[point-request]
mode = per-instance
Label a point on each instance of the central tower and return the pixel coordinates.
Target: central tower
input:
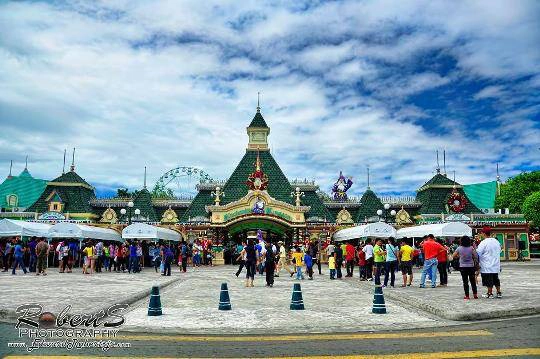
(258, 132)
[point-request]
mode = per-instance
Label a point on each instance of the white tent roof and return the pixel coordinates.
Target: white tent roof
(74, 230)
(451, 229)
(146, 231)
(13, 227)
(377, 229)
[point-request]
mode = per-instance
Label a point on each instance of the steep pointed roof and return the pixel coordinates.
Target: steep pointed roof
(143, 201)
(258, 120)
(434, 196)
(71, 177)
(24, 186)
(370, 204)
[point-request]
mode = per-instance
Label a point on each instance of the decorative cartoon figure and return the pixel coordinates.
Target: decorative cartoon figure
(258, 180)
(258, 206)
(340, 188)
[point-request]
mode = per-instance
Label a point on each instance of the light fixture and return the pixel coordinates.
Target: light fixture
(387, 206)
(123, 211)
(130, 204)
(379, 212)
(393, 212)
(137, 211)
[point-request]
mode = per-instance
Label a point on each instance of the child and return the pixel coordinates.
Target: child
(332, 267)
(298, 257)
(362, 263)
(309, 265)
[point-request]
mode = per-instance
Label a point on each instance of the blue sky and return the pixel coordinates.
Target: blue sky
(344, 84)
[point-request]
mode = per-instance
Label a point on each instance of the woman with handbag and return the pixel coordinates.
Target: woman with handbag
(468, 261)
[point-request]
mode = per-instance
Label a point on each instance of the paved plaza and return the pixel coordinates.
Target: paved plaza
(190, 301)
(85, 293)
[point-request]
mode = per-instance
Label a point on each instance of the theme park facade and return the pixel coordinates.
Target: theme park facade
(258, 195)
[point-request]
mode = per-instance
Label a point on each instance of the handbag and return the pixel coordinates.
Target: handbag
(475, 259)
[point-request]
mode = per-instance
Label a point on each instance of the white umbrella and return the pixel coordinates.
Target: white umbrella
(451, 229)
(375, 230)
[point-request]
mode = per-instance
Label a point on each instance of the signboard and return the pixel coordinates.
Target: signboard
(52, 216)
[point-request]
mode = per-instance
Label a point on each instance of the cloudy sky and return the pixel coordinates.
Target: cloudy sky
(344, 84)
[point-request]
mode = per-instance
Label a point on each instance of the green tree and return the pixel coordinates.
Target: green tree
(123, 193)
(531, 209)
(517, 189)
(162, 192)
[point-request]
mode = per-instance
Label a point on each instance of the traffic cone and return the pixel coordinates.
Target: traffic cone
(154, 307)
(224, 300)
(297, 302)
(378, 301)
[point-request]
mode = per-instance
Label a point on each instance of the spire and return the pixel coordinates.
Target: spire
(498, 175)
(258, 163)
(144, 186)
(258, 102)
(444, 162)
(64, 166)
(438, 166)
(10, 168)
(368, 177)
(26, 163)
(454, 178)
(73, 161)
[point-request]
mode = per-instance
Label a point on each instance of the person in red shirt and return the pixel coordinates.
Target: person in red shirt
(362, 262)
(442, 257)
(431, 252)
(349, 259)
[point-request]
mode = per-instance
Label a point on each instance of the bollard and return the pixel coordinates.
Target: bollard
(378, 301)
(154, 307)
(224, 300)
(297, 302)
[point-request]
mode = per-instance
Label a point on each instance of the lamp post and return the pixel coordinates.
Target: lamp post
(130, 205)
(384, 213)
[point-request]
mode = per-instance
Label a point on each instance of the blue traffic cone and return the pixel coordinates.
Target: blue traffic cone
(378, 301)
(297, 302)
(224, 300)
(154, 307)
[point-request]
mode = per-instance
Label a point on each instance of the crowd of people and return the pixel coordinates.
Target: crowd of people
(377, 261)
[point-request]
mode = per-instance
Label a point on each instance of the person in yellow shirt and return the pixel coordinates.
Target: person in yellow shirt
(298, 258)
(332, 267)
(405, 255)
(90, 259)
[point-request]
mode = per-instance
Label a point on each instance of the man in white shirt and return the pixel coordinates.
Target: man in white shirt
(489, 251)
(368, 250)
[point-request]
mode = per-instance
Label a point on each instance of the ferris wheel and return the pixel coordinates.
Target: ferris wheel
(182, 180)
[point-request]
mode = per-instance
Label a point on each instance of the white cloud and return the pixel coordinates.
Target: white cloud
(165, 83)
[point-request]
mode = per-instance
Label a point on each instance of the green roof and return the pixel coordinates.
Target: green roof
(258, 121)
(482, 194)
(76, 198)
(370, 203)
(434, 196)
(24, 186)
(143, 202)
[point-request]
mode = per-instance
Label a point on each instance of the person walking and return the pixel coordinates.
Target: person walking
(368, 250)
(33, 257)
(252, 257)
(241, 259)
(379, 257)
(89, 261)
(361, 262)
(405, 255)
(489, 251)
(308, 259)
(282, 263)
(467, 260)
(269, 264)
(442, 258)
(18, 253)
(42, 252)
(133, 260)
(298, 260)
(168, 257)
(391, 263)
(431, 251)
(338, 255)
(349, 259)
(184, 255)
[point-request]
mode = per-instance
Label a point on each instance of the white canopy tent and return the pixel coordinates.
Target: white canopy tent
(146, 231)
(13, 227)
(373, 230)
(451, 229)
(80, 231)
